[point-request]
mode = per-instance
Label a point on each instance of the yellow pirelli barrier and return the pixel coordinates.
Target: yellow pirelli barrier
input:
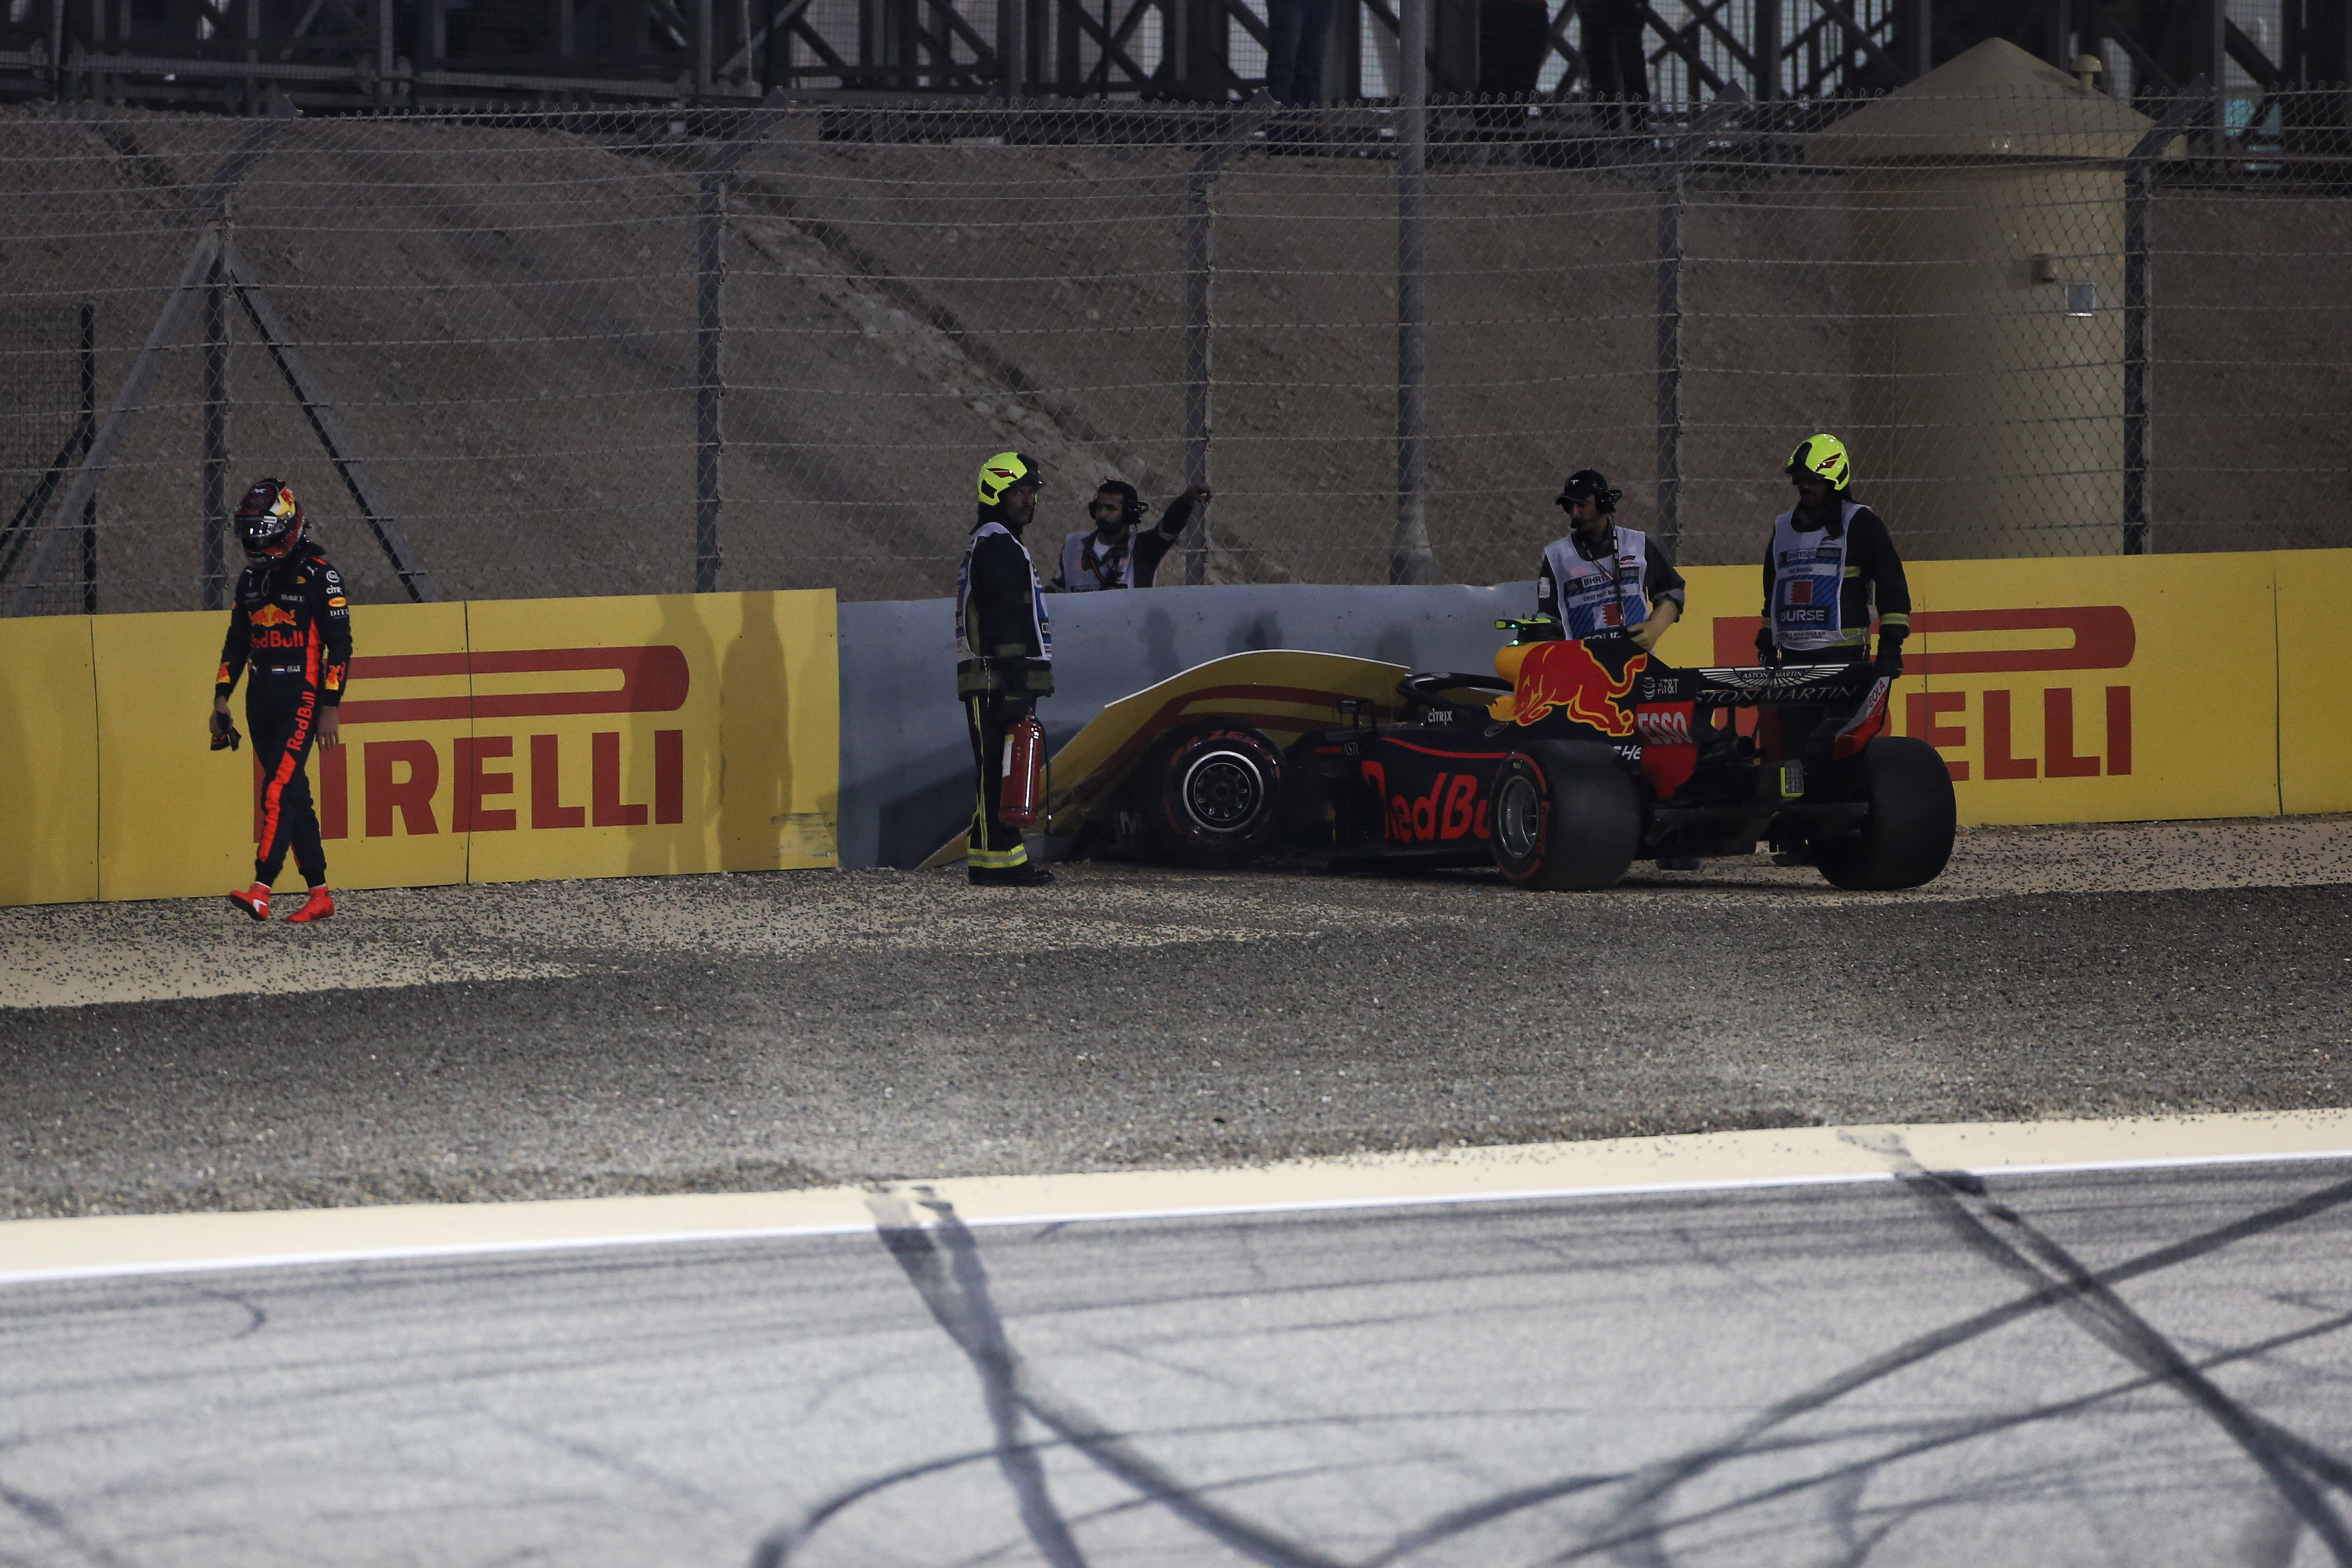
(553, 738)
(2315, 651)
(2104, 690)
(49, 762)
(483, 741)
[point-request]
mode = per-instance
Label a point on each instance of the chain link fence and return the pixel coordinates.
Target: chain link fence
(512, 355)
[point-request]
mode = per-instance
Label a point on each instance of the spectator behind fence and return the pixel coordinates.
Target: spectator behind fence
(1620, 66)
(1112, 554)
(1514, 37)
(1297, 33)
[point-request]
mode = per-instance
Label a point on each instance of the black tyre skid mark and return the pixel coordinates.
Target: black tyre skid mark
(1637, 1518)
(957, 1294)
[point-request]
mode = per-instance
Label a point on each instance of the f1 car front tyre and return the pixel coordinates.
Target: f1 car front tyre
(1218, 798)
(1565, 816)
(1907, 837)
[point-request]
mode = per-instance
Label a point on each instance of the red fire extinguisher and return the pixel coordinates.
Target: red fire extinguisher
(1023, 798)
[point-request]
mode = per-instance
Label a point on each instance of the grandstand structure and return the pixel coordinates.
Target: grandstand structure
(325, 56)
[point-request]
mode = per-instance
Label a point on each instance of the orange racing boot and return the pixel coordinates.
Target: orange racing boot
(254, 901)
(320, 904)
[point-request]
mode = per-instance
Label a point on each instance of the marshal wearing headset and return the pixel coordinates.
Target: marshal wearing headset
(1117, 552)
(1602, 579)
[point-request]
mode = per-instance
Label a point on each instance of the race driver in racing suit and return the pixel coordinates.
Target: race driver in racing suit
(1831, 569)
(291, 624)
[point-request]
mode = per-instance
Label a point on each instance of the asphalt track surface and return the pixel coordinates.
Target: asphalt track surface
(760, 1032)
(2145, 1367)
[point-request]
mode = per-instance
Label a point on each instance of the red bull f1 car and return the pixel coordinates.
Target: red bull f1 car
(1573, 761)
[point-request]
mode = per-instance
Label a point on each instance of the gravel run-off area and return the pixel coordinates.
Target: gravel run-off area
(777, 1030)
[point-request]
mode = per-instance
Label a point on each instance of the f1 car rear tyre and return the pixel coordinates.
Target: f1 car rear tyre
(1907, 837)
(1218, 798)
(1565, 816)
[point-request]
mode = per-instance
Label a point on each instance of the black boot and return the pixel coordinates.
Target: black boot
(1027, 875)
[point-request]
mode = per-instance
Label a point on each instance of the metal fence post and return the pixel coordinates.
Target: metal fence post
(1013, 49)
(2139, 169)
(1200, 284)
(710, 333)
(711, 268)
(1677, 157)
(88, 432)
(384, 55)
(1409, 558)
(214, 575)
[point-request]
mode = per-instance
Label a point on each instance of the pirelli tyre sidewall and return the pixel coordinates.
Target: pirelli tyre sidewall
(1907, 837)
(1216, 799)
(1565, 816)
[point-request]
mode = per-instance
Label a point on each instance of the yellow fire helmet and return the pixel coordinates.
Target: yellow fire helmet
(1823, 458)
(1004, 471)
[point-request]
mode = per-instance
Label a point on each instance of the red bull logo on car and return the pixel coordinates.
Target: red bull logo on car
(1565, 676)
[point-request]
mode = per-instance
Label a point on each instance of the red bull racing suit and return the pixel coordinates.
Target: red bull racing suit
(292, 627)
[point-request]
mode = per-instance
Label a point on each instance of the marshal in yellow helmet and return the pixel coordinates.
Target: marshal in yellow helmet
(1004, 471)
(1822, 457)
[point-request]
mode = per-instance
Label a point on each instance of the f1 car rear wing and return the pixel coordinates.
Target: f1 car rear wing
(1755, 686)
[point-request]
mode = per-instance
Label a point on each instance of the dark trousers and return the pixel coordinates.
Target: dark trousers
(992, 845)
(281, 743)
(1513, 38)
(1297, 32)
(1614, 56)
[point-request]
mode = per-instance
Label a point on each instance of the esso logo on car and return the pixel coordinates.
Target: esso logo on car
(1665, 726)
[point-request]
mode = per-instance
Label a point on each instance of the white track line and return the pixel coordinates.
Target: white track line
(124, 1246)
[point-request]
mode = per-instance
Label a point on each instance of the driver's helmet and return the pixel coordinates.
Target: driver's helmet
(1822, 457)
(269, 521)
(1587, 482)
(1004, 471)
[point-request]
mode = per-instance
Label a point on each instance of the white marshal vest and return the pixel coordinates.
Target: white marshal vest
(1808, 573)
(1078, 577)
(965, 652)
(1599, 597)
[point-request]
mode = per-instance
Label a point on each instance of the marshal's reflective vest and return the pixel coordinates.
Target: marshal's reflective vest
(1603, 595)
(1086, 566)
(1808, 573)
(986, 659)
